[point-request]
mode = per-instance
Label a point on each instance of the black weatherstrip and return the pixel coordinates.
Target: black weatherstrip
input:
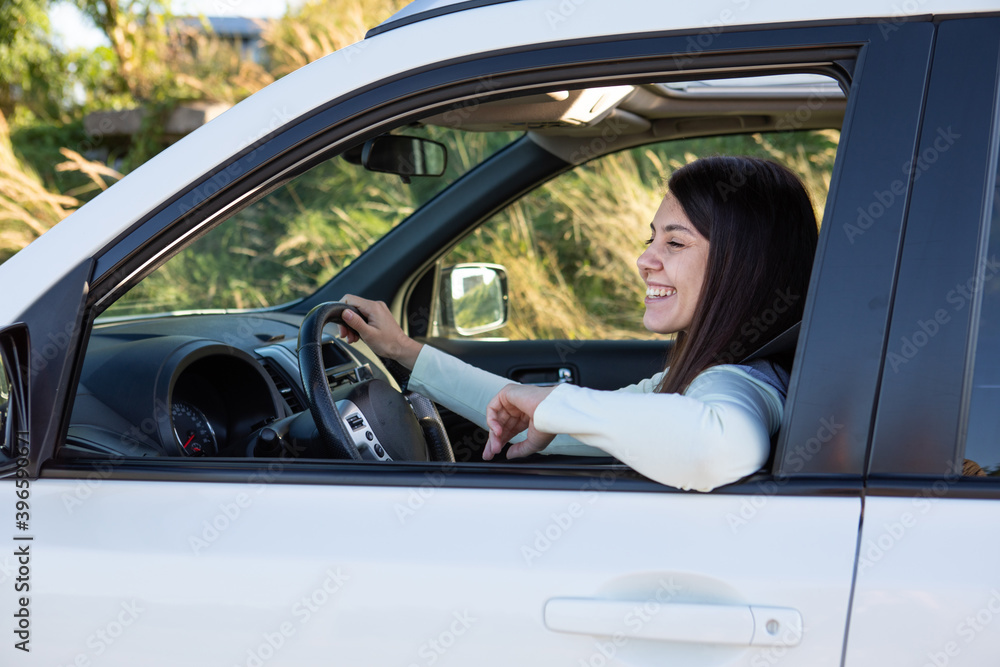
(619, 477)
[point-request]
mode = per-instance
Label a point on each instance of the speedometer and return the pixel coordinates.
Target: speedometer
(194, 434)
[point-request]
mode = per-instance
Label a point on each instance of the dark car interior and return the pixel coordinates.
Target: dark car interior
(231, 382)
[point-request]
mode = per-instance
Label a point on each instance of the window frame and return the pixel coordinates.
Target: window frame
(15, 367)
(919, 435)
(374, 108)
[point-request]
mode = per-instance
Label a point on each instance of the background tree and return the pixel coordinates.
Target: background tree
(32, 70)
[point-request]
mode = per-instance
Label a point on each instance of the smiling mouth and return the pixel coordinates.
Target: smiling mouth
(659, 292)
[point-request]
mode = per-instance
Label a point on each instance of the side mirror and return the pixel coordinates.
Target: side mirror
(401, 155)
(473, 298)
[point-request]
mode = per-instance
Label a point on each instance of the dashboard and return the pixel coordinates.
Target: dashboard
(197, 385)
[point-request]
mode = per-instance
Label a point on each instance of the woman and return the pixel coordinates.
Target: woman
(726, 269)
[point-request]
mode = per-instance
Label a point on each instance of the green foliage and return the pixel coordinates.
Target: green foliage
(150, 61)
(32, 74)
(284, 246)
(570, 246)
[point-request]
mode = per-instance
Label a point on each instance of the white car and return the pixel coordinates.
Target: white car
(170, 500)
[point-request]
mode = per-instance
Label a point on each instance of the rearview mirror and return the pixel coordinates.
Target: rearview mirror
(473, 298)
(404, 155)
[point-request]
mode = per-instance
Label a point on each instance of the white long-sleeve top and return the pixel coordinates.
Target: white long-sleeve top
(715, 433)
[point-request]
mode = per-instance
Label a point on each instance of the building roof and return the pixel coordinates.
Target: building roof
(228, 26)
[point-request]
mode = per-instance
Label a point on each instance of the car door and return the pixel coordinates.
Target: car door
(927, 584)
(254, 562)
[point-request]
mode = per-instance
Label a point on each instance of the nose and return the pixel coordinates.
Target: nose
(647, 261)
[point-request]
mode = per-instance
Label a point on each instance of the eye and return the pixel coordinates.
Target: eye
(648, 241)
(675, 244)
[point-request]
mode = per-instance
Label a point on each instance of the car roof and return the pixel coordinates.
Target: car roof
(735, 12)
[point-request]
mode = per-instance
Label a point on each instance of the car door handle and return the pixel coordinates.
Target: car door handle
(544, 377)
(746, 625)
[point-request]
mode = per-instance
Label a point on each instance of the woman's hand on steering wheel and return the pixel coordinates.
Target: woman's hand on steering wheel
(380, 332)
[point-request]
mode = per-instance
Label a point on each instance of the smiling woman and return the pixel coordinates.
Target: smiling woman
(215, 537)
(730, 233)
(673, 268)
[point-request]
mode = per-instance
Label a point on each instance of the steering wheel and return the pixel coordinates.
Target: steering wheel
(407, 432)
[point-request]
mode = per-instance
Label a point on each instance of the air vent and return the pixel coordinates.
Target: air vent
(285, 389)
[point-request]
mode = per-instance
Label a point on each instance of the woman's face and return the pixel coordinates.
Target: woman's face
(673, 268)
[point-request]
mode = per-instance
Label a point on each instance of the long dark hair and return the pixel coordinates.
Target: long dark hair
(762, 236)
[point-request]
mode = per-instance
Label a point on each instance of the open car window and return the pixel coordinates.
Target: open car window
(298, 237)
(201, 358)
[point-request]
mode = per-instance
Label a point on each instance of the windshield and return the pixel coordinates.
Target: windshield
(285, 246)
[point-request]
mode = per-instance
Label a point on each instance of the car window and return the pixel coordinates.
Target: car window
(569, 247)
(282, 247)
(982, 443)
(231, 384)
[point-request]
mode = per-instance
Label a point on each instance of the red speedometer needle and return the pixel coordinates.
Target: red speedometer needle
(185, 445)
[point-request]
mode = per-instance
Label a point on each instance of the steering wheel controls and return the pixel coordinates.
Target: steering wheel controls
(361, 433)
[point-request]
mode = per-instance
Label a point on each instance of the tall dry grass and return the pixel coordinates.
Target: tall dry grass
(27, 208)
(321, 27)
(570, 247)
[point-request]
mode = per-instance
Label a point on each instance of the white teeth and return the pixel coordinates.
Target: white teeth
(660, 291)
